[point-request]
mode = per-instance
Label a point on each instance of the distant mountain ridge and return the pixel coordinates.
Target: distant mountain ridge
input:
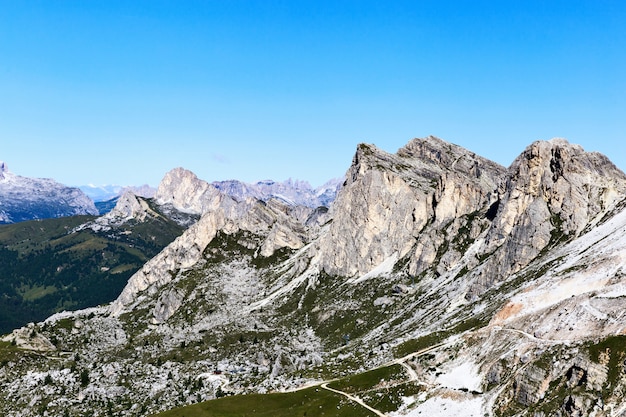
(293, 192)
(23, 198)
(103, 193)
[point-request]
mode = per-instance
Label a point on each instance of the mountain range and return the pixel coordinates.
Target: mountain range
(104, 193)
(23, 198)
(291, 192)
(437, 283)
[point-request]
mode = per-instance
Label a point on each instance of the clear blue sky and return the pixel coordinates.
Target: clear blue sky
(122, 91)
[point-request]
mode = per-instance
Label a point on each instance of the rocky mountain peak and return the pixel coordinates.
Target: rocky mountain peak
(24, 198)
(573, 184)
(432, 149)
(388, 200)
(552, 192)
(129, 207)
(544, 162)
(183, 190)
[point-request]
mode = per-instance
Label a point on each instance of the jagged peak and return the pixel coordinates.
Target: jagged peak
(296, 192)
(425, 159)
(430, 147)
(364, 151)
(182, 189)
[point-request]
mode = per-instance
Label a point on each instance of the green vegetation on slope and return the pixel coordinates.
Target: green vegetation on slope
(381, 388)
(369, 380)
(46, 268)
(310, 402)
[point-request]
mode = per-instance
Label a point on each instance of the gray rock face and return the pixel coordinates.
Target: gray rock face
(397, 205)
(23, 198)
(552, 192)
(183, 190)
(531, 385)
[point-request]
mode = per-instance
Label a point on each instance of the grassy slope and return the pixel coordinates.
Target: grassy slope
(310, 402)
(381, 388)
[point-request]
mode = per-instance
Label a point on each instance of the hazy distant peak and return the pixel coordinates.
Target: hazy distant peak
(297, 192)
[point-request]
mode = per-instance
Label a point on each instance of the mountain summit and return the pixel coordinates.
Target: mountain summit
(23, 198)
(438, 283)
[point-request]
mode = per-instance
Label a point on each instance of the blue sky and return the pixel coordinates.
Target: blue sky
(121, 92)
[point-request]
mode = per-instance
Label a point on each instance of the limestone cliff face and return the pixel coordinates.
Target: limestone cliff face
(552, 192)
(395, 205)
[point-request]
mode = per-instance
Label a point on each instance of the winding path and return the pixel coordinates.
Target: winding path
(401, 361)
(354, 399)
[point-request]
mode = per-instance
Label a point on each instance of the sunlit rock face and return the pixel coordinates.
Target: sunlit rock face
(396, 205)
(552, 192)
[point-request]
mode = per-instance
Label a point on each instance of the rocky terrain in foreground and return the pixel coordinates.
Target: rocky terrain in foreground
(468, 288)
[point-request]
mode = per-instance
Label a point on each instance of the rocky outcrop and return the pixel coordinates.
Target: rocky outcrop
(129, 207)
(23, 198)
(552, 192)
(29, 338)
(396, 205)
(183, 190)
(531, 385)
(167, 304)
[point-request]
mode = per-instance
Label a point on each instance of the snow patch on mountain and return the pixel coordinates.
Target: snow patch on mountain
(452, 405)
(462, 377)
